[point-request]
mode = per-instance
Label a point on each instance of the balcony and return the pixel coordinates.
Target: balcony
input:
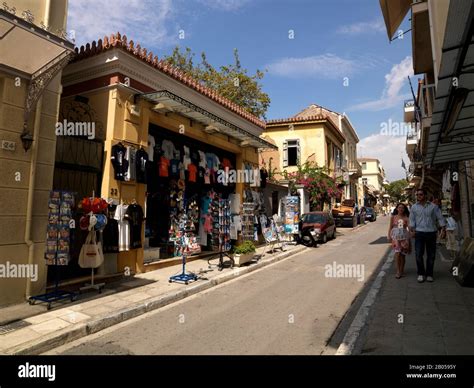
(409, 111)
(413, 138)
(355, 169)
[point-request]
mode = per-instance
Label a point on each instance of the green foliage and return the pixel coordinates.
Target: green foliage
(231, 82)
(244, 248)
(395, 190)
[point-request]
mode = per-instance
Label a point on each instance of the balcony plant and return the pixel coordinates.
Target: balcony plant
(244, 253)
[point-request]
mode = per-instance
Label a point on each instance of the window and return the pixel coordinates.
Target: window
(291, 153)
(364, 181)
(364, 165)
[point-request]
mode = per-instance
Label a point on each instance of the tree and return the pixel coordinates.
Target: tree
(231, 82)
(396, 189)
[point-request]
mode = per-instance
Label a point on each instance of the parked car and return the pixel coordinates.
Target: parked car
(316, 227)
(361, 215)
(346, 214)
(371, 214)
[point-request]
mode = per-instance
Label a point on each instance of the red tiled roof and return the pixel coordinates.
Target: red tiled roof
(297, 119)
(120, 41)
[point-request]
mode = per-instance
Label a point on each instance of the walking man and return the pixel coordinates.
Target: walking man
(423, 217)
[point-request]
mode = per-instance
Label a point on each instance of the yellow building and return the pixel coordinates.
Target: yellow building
(33, 51)
(373, 177)
(318, 135)
(130, 95)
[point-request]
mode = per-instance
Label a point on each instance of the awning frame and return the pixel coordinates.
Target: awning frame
(255, 141)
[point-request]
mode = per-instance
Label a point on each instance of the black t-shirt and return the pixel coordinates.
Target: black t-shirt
(110, 234)
(134, 215)
(201, 173)
(141, 161)
(119, 162)
(263, 178)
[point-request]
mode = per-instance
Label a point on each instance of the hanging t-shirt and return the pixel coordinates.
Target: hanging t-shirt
(226, 163)
(202, 159)
(263, 178)
(211, 160)
(119, 162)
(130, 174)
(134, 215)
(192, 170)
(111, 232)
(194, 156)
(182, 171)
(141, 161)
(174, 168)
(163, 168)
(201, 173)
(186, 158)
(168, 149)
(123, 228)
(207, 176)
(151, 147)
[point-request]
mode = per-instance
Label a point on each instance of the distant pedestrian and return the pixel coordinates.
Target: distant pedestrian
(423, 218)
(399, 236)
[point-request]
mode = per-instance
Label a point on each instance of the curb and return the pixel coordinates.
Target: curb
(355, 334)
(62, 337)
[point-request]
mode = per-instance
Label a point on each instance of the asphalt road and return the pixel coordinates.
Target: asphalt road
(291, 307)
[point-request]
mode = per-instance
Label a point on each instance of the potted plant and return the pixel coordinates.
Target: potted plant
(244, 253)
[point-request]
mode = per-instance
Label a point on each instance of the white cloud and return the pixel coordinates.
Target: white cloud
(318, 66)
(145, 21)
(389, 150)
(224, 5)
(362, 27)
(394, 82)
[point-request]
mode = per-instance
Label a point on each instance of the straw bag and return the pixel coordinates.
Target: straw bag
(91, 255)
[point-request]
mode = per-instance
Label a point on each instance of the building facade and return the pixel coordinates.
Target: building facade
(33, 52)
(440, 146)
(372, 180)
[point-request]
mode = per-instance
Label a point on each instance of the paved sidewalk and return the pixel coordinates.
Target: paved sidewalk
(151, 291)
(411, 318)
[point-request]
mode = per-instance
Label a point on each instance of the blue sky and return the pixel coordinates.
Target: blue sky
(332, 39)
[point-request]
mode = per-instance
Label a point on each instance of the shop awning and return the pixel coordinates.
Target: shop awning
(451, 136)
(26, 49)
(213, 122)
(394, 11)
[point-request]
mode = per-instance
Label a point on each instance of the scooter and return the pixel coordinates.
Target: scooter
(305, 236)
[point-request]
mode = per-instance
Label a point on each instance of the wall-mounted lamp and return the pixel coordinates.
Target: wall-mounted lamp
(26, 138)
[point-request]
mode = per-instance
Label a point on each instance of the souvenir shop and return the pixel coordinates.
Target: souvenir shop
(187, 178)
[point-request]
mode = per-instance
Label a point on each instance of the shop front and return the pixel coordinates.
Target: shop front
(165, 150)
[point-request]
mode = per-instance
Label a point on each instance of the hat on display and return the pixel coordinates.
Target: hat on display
(181, 184)
(101, 222)
(84, 222)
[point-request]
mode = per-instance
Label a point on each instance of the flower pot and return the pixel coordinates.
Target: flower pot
(240, 259)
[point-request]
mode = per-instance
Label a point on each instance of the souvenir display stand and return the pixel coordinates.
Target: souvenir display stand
(60, 223)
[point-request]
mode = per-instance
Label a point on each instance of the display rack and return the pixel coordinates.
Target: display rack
(248, 221)
(182, 243)
(60, 223)
(224, 234)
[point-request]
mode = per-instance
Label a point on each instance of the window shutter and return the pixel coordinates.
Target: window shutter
(285, 154)
(298, 153)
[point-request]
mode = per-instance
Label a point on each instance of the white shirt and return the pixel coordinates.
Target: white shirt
(151, 147)
(123, 228)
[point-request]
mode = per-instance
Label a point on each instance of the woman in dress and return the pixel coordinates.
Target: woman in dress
(399, 236)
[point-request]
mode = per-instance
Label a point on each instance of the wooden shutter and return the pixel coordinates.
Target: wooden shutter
(285, 154)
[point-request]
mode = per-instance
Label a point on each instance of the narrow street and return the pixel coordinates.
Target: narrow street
(287, 308)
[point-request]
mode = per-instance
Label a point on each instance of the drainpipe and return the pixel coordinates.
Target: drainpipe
(31, 190)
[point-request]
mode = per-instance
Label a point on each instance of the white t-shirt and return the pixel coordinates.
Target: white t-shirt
(123, 228)
(151, 147)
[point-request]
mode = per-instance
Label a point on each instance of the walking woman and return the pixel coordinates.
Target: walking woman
(399, 236)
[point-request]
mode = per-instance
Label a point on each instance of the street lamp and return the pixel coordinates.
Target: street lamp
(26, 138)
